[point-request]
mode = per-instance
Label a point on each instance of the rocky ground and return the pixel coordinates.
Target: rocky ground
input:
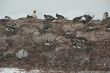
(61, 45)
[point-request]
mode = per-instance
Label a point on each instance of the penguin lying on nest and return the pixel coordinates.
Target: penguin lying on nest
(49, 17)
(7, 17)
(59, 16)
(28, 16)
(77, 19)
(88, 17)
(11, 29)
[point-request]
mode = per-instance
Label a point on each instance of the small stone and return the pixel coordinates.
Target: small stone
(47, 44)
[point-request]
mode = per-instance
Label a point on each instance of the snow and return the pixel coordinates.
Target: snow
(11, 70)
(15, 70)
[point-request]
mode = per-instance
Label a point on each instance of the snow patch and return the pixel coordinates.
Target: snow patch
(15, 70)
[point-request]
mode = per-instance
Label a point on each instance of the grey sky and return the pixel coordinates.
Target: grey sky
(68, 8)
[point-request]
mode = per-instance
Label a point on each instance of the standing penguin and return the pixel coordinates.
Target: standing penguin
(34, 14)
(105, 16)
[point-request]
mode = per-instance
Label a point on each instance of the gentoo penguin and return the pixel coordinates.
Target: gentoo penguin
(34, 14)
(76, 19)
(49, 17)
(88, 17)
(7, 17)
(105, 16)
(59, 16)
(28, 16)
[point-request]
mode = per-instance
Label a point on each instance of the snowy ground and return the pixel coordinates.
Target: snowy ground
(15, 70)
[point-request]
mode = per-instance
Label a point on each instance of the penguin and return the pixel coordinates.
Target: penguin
(79, 42)
(7, 17)
(105, 16)
(28, 16)
(88, 17)
(76, 19)
(11, 28)
(34, 14)
(49, 17)
(59, 16)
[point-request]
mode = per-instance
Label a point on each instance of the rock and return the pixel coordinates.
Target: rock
(67, 28)
(94, 35)
(22, 53)
(47, 44)
(69, 34)
(61, 39)
(3, 43)
(4, 54)
(44, 37)
(36, 33)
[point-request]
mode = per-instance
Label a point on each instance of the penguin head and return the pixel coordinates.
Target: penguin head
(34, 11)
